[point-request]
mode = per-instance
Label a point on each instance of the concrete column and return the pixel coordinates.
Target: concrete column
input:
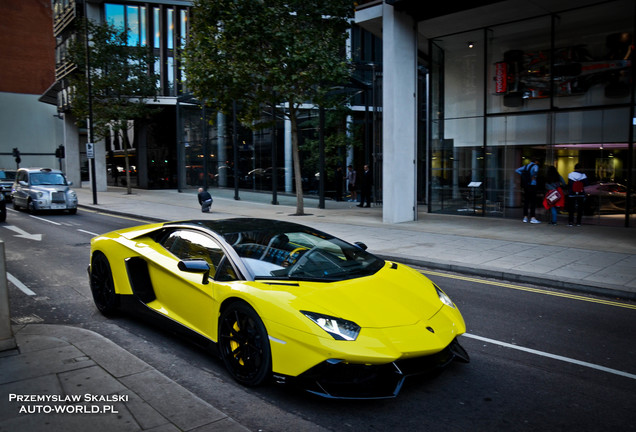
(7, 341)
(399, 137)
(100, 167)
(72, 166)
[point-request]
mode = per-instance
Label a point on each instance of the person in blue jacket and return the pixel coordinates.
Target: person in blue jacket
(529, 173)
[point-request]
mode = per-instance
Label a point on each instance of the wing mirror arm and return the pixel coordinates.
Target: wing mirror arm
(196, 266)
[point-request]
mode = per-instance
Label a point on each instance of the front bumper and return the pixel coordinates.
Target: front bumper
(54, 201)
(340, 380)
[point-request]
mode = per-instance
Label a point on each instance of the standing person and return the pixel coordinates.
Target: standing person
(554, 196)
(351, 183)
(529, 174)
(366, 183)
(577, 180)
(205, 200)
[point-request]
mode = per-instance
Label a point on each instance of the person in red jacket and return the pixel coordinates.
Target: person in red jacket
(554, 196)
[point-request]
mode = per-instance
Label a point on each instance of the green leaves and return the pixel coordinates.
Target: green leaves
(246, 50)
(121, 76)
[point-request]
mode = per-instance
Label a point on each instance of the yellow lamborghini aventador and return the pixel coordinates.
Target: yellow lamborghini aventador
(283, 301)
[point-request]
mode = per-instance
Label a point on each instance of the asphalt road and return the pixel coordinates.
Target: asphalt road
(540, 359)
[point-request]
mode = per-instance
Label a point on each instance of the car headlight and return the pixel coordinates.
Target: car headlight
(338, 328)
(444, 298)
(72, 194)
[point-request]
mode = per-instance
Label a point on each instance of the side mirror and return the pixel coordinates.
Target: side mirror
(196, 266)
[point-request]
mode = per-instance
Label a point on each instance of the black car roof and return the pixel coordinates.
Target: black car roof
(236, 225)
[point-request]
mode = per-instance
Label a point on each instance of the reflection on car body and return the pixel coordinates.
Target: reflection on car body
(284, 301)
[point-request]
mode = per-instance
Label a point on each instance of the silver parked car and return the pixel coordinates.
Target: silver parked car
(37, 189)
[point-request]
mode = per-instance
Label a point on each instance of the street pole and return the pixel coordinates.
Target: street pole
(90, 107)
(236, 152)
(274, 155)
(321, 156)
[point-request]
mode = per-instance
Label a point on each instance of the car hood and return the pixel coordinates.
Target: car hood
(395, 296)
(51, 188)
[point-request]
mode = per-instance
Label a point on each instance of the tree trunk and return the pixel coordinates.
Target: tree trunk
(298, 177)
(124, 139)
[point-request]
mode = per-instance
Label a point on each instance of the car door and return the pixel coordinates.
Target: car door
(187, 297)
(20, 192)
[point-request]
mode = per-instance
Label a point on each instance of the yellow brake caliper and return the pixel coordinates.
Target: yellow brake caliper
(234, 344)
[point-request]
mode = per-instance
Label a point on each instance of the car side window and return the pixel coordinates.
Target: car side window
(187, 244)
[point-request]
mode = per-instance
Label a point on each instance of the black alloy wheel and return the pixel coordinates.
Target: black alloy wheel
(102, 285)
(244, 345)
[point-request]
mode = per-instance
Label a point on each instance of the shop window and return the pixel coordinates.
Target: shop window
(598, 140)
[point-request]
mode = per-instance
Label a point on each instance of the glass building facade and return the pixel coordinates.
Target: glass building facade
(556, 87)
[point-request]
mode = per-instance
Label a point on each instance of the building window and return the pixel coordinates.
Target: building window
(156, 25)
(132, 18)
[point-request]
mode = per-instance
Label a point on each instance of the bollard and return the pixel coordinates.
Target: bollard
(7, 341)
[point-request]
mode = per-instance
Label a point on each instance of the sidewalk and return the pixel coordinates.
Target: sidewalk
(98, 386)
(126, 394)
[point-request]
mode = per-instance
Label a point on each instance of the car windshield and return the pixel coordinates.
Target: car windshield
(7, 175)
(302, 255)
(47, 178)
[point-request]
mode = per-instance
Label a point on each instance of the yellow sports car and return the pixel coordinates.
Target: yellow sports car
(283, 301)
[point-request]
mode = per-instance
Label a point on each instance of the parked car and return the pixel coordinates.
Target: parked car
(282, 301)
(3, 208)
(607, 197)
(36, 189)
(7, 177)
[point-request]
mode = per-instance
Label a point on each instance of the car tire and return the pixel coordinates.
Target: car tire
(102, 285)
(72, 211)
(30, 207)
(244, 345)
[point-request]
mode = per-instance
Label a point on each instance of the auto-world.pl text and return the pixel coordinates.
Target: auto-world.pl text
(66, 404)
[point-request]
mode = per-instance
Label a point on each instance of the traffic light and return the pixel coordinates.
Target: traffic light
(16, 155)
(59, 152)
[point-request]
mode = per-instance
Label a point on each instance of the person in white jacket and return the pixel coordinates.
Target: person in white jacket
(577, 180)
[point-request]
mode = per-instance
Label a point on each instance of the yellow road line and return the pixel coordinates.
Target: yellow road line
(533, 290)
